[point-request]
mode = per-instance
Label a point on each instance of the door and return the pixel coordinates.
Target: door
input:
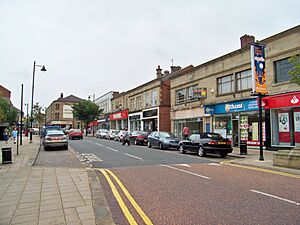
(235, 132)
(207, 127)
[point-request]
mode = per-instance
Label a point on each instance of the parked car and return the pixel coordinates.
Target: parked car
(75, 133)
(138, 137)
(101, 133)
(111, 134)
(163, 140)
(55, 138)
(120, 135)
(203, 143)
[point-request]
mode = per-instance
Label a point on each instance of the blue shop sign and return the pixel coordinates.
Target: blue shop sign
(229, 107)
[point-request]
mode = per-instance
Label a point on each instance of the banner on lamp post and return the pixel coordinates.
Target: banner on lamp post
(258, 66)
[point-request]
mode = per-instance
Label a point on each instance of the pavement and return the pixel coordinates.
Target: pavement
(48, 195)
(59, 195)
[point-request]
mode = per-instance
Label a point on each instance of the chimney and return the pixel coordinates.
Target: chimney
(246, 40)
(61, 95)
(175, 68)
(158, 72)
(166, 72)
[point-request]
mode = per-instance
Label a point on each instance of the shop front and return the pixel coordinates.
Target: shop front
(150, 119)
(193, 118)
(237, 120)
(285, 119)
(119, 120)
(103, 122)
(135, 121)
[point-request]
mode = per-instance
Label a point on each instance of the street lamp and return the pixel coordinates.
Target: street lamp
(89, 97)
(31, 118)
(27, 124)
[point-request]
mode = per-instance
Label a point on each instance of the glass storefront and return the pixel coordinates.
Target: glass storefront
(194, 124)
(150, 125)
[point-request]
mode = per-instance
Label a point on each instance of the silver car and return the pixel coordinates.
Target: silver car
(101, 133)
(55, 138)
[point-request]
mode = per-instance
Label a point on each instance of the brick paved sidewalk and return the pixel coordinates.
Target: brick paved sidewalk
(44, 195)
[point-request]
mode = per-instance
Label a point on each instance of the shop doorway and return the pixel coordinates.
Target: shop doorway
(235, 132)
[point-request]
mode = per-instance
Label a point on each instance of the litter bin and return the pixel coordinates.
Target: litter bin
(6, 155)
(243, 148)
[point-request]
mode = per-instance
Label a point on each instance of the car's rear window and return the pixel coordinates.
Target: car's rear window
(55, 133)
(166, 134)
(214, 136)
(76, 130)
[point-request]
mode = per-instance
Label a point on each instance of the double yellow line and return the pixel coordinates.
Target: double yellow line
(119, 199)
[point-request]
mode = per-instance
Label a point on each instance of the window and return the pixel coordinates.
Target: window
(225, 84)
(180, 96)
(132, 104)
(281, 70)
(139, 102)
(56, 116)
(244, 80)
(57, 106)
(154, 98)
(147, 99)
(190, 93)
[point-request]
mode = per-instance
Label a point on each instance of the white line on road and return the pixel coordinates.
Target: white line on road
(133, 156)
(276, 197)
(195, 174)
(89, 141)
(214, 164)
(112, 149)
(99, 144)
(186, 165)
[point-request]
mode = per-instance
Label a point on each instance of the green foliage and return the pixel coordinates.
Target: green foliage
(8, 114)
(86, 111)
(295, 72)
(37, 114)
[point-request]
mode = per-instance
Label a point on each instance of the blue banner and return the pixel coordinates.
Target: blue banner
(229, 107)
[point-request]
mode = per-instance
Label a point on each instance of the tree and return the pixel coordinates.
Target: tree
(37, 114)
(8, 114)
(295, 72)
(86, 111)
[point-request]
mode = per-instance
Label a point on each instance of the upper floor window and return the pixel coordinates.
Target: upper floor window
(154, 98)
(190, 93)
(282, 67)
(244, 80)
(56, 116)
(57, 106)
(180, 96)
(147, 99)
(139, 102)
(132, 104)
(225, 84)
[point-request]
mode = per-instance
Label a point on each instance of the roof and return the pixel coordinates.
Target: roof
(70, 98)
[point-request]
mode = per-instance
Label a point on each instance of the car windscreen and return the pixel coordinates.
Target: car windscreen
(167, 135)
(213, 136)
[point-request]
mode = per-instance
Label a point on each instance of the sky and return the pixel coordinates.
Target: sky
(96, 46)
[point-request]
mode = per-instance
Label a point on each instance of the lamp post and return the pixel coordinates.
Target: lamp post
(89, 97)
(27, 116)
(32, 92)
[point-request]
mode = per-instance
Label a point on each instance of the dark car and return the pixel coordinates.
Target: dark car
(75, 133)
(163, 140)
(203, 143)
(138, 137)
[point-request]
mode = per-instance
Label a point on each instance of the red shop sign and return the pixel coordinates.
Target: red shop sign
(282, 101)
(119, 115)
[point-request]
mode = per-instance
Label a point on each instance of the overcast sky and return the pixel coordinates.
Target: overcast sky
(96, 46)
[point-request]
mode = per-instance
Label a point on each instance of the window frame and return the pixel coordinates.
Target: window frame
(240, 79)
(232, 81)
(194, 99)
(275, 70)
(184, 96)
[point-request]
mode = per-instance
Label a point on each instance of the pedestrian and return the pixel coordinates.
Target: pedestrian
(126, 138)
(14, 134)
(6, 135)
(185, 132)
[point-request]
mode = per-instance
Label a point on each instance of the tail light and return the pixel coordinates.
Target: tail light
(228, 142)
(213, 142)
(140, 137)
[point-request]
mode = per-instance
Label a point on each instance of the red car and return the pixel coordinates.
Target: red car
(138, 137)
(75, 133)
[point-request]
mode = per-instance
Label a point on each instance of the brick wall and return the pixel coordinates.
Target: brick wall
(164, 119)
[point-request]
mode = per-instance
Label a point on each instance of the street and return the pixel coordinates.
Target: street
(155, 186)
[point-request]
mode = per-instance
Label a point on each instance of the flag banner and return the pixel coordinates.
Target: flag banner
(258, 66)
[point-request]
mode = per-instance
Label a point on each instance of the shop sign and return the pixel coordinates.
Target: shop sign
(119, 115)
(283, 120)
(237, 106)
(200, 93)
(135, 117)
(258, 65)
(282, 101)
(150, 113)
(67, 112)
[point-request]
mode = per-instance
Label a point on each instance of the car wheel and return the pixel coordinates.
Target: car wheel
(66, 147)
(161, 146)
(223, 154)
(181, 149)
(149, 144)
(45, 148)
(201, 151)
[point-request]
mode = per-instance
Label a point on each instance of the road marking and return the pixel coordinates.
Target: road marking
(119, 199)
(214, 164)
(133, 156)
(99, 144)
(112, 149)
(131, 199)
(230, 163)
(90, 157)
(276, 197)
(89, 141)
(185, 171)
(186, 165)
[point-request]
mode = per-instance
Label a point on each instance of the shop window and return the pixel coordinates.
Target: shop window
(180, 96)
(190, 93)
(282, 67)
(225, 84)
(244, 80)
